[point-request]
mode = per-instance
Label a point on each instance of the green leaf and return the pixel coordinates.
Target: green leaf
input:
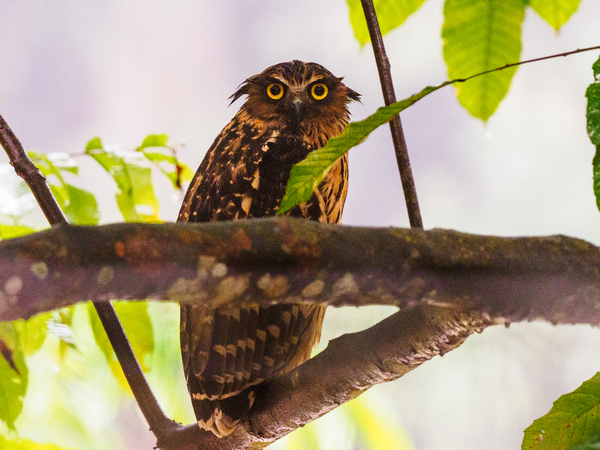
(32, 332)
(176, 171)
(13, 231)
(308, 174)
(572, 420)
(592, 444)
(136, 322)
(25, 444)
(13, 383)
(154, 140)
(555, 12)
(390, 14)
(94, 144)
(79, 206)
(593, 125)
(135, 198)
(480, 35)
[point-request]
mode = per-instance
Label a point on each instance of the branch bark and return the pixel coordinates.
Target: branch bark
(283, 259)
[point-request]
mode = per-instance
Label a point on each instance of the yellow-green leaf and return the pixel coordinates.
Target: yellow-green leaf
(572, 420)
(136, 198)
(94, 144)
(13, 231)
(136, 322)
(79, 206)
(390, 14)
(555, 12)
(14, 376)
(593, 124)
(25, 444)
(155, 140)
(480, 35)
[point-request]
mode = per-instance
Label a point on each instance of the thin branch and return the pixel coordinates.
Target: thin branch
(36, 181)
(287, 260)
(543, 58)
(389, 96)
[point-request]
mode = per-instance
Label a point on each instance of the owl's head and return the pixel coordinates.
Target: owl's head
(298, 95)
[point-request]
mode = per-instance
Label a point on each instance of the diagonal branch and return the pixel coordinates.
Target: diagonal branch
(389, 96)
(36, 181)
(349, 365)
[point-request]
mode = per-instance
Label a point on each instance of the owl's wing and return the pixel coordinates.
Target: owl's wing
(227, 352)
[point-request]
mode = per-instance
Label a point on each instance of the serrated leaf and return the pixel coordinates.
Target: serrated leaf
(135, 198)
(155, 140)
(555, 12)
(308, 174)
(390, 14)
(481, 35)
(137, 325)
(25, 444)
(13, 380)
(593, 124)
(572, 420)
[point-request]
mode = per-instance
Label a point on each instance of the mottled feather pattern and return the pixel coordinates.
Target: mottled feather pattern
(228, 352)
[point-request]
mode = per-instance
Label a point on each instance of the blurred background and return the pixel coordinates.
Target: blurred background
(121, 70)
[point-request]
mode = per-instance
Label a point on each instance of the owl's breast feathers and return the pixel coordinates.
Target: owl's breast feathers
(245, 173)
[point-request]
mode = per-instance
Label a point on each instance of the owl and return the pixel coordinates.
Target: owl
(291, 109)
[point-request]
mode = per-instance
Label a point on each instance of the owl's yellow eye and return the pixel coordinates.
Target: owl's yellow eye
(275, 91)
(319, 91)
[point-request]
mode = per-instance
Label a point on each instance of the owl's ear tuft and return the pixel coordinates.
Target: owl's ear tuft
(243, 89)
(351, 94)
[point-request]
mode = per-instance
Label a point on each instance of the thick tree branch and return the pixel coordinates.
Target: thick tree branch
(283, 259)
(389, 96)
(36, 181)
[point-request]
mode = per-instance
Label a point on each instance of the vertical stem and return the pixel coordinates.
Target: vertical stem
(36, 181)
(387, 86)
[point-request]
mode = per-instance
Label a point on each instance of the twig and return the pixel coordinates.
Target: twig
(389, 96)
(506, 66)
(36, 181)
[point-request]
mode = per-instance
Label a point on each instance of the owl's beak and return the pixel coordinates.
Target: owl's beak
(297, 104)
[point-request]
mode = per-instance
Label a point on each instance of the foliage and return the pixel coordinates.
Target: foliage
(572, 420)
(478, 35)
(593, 124)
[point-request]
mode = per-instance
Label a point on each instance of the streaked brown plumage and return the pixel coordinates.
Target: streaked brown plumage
(292, 108)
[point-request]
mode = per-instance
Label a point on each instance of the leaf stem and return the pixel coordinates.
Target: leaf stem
(36, 181)
(389, 96)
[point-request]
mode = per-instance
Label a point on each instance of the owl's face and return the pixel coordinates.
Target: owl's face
(298, 95)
